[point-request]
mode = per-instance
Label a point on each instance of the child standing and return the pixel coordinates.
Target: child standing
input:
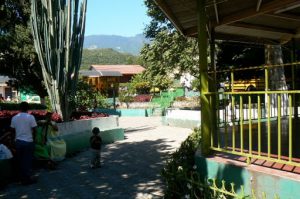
(95, 142)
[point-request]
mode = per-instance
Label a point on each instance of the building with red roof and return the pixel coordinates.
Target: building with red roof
(107, 77)
(127, 71)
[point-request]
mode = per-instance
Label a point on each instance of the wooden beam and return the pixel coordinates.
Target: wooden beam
(287, 8)
(170, 15)
(238, 38)
(288, 17)
(258, 5)
(216, 11)
(264, 28)
(192, 31)
(245, 39)
(251, 12)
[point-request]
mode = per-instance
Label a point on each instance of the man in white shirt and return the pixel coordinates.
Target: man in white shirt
(24, 127)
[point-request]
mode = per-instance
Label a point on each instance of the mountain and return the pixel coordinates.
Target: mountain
(131, 45)
(106, 56)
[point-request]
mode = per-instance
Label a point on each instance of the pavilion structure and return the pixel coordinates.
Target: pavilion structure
(252, 127)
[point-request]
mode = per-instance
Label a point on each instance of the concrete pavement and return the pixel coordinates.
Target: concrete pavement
(131, 168)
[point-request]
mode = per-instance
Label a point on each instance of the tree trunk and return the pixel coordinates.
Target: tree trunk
(277, 80)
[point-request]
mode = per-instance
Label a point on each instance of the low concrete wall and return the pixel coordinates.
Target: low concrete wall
(127, 112)
(104, 123)
(77, 133)
(261, 179)
(182, 118)
(78, 141)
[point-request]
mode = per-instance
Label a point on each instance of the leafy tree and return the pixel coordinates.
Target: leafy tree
(159, 21)
(17, 55)
(87, 97)
(140, 84)
(169, 51)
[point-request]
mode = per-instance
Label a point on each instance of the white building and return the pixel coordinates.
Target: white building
(6, 91)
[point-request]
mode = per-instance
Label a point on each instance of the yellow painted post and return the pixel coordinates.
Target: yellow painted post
(268, 110)
(290, 129)
(233, 121)
(279, 126)
(269, 125)
(293, 58)
(250, 123)
(218, 122)
(205, 106)
(266, 79)
(259, 124)
(226, 128)
(241, 123)
(232, 80)
(213, 103)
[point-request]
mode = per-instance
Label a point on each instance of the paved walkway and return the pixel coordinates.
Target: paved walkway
(131, 168)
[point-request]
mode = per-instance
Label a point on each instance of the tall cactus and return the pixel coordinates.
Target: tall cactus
(58, 30)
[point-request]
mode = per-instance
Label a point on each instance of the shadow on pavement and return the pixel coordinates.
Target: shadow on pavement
(129, 170)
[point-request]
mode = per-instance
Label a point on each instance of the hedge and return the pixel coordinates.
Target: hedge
(15, 106)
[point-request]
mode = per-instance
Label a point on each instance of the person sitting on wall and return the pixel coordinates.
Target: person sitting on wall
(50, 147)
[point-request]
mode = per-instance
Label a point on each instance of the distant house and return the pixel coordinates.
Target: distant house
(106, 78)
(6, 91)
(127, 71)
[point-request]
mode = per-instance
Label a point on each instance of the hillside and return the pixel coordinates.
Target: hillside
(106, 56)
(130, 45)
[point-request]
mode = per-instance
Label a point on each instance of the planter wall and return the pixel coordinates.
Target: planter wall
(127, 112)
(78, 141)
(77, 133)
(77, 126)
(259, 178)
(182, 118)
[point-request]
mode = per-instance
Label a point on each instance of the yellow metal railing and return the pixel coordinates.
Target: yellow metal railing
(258, 124)
(256, 118)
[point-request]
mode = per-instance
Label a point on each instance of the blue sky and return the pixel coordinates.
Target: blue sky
(116, 17)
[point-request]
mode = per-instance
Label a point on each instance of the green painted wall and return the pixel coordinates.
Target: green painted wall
(127, 112)
(79, 141)
(284, 187)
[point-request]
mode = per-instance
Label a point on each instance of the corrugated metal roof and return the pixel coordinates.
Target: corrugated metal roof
(109, 73)
(123, 69)
(99, 73)
(263, 21)
(89, 73)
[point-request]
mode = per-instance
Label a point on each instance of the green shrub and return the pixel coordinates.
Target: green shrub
(180, 168)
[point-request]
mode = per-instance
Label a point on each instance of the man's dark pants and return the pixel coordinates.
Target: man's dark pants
(24, 155)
